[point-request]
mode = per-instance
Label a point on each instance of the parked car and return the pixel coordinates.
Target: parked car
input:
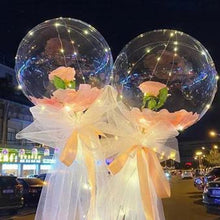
(31, 190)
(42, 176)
(199, 182)
(11, 197)
(212, 175)
(211, 195)
(186, 174)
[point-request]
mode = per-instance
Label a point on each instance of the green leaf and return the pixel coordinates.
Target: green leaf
(59, 83)
(152, 104)
(146, 99)
(163, 93)
(72, 84)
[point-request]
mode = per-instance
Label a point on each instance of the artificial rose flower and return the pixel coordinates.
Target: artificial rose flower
(65, 73)
(179, 119)
(78, 100)
(151, 87)
(47, 101)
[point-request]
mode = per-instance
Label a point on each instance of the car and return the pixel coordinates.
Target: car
(186, 174)
(31, 190)
(42, 176)
(11, 197)
(212, 175)
(211, 195)
(199, 182)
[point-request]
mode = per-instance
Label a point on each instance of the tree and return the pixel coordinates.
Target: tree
(213, 158)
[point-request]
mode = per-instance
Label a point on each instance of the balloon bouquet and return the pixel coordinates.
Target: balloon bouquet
(111, 138)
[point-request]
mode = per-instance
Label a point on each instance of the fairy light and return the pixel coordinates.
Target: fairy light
(180, 128)
(68, 30)
(19, 87)
(175, 42)
(75, 53)
(106, 49)
(203, 52)
(175, 49)
(142, 35)
(175, 54)
(98, 100)
(142, 120)
(158, 58)
(87, 186)
(42, 107)
(208, 106)
(121, 96)
(62, 50)
(170, 73)
(72, 42)
(31, 33)
(171, 34)
(57, 24)
(148, 50)
(217, 77)
(155, 149)
(86, 32)
(67, 108)
(116, 138)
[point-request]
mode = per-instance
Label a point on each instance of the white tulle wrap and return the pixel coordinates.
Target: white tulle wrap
(67, 196)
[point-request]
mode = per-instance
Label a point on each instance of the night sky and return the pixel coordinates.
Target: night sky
(119, 22)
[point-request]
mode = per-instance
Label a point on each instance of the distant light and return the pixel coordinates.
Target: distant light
(215, 146)
(212, 133)
(203, 148)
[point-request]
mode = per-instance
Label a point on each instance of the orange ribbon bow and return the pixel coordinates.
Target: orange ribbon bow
(149, 169)
(69, 153)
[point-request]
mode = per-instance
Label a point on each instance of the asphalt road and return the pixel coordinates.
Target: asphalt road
(186, 202)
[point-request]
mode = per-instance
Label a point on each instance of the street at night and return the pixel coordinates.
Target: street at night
(184, 204)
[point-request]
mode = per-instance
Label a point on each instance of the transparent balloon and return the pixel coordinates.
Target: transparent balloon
(62, 53)
(166, 71)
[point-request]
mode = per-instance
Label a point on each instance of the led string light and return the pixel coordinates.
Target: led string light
(61, 43)
(74, 49)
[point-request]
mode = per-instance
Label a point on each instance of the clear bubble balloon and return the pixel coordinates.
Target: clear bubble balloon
(62, 53)
(166, 71)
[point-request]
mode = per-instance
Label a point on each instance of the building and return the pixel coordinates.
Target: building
(18, 157)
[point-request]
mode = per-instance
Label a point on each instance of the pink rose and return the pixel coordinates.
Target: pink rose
(180, 119)
(151, 87)
(78, 100)
(47, 101)
(65, 73)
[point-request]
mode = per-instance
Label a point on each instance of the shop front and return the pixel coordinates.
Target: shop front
(25, 165)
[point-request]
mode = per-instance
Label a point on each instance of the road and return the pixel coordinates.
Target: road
(186, 202)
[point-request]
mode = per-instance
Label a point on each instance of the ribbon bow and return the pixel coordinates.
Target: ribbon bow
(148, 167)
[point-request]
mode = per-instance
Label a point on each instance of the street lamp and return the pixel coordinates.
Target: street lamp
(215, 147)
(199, 156)
(213, 133)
